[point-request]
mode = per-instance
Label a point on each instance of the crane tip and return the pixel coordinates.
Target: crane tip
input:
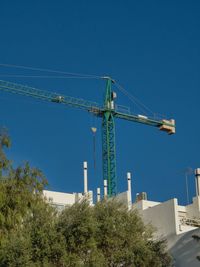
(108, 78)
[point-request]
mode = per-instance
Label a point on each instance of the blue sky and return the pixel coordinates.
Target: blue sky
(150, 47)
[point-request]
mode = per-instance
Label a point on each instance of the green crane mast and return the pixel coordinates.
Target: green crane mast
(107, 112)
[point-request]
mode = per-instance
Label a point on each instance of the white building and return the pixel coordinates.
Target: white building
(61, 200)
(172, 221)
(178, 224)
(168, 217)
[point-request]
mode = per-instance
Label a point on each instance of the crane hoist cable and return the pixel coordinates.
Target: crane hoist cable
(45, 76)
(133, 99)
(47, 70)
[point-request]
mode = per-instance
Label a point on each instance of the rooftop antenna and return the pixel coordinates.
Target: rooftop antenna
(197, 181)
(188, 171)
(98, 194)
(85, 173)
(129, 190)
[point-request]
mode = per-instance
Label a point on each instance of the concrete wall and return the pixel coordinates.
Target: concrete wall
(168, 217)
(193, 210)
(125, 198)
(145, 204)
(61, 200)
(163, 216)
(58, 197)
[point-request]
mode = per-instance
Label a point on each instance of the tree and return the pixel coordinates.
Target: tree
(109, 235)
(28, 233)
(79, 228)
(4, 143)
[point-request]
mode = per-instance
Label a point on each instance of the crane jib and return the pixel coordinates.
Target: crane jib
(49, 96)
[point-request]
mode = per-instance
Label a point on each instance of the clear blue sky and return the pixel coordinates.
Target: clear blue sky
(151, 47)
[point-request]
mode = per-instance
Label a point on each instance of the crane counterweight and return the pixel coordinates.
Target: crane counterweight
(168, 126)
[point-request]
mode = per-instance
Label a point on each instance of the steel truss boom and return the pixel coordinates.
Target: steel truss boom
(49, 96)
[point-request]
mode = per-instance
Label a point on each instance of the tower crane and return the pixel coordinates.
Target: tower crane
(107, 112)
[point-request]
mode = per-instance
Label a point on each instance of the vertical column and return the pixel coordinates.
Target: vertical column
(197, 176)
(85, 177)
(98, 194)
(108, 141)
(129, 190)
(105, 188)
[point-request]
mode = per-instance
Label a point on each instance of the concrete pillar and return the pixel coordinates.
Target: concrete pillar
(105, 188)
(129, 190)
(98, 194)
(129, 181)
(197, 181)
(85, 177)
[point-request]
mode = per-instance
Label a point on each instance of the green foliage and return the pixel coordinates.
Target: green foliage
(79, 228)
(28, 233)
(33, 234)
(4, 143)
(108, 235)
(15, 249)
(19, 190)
